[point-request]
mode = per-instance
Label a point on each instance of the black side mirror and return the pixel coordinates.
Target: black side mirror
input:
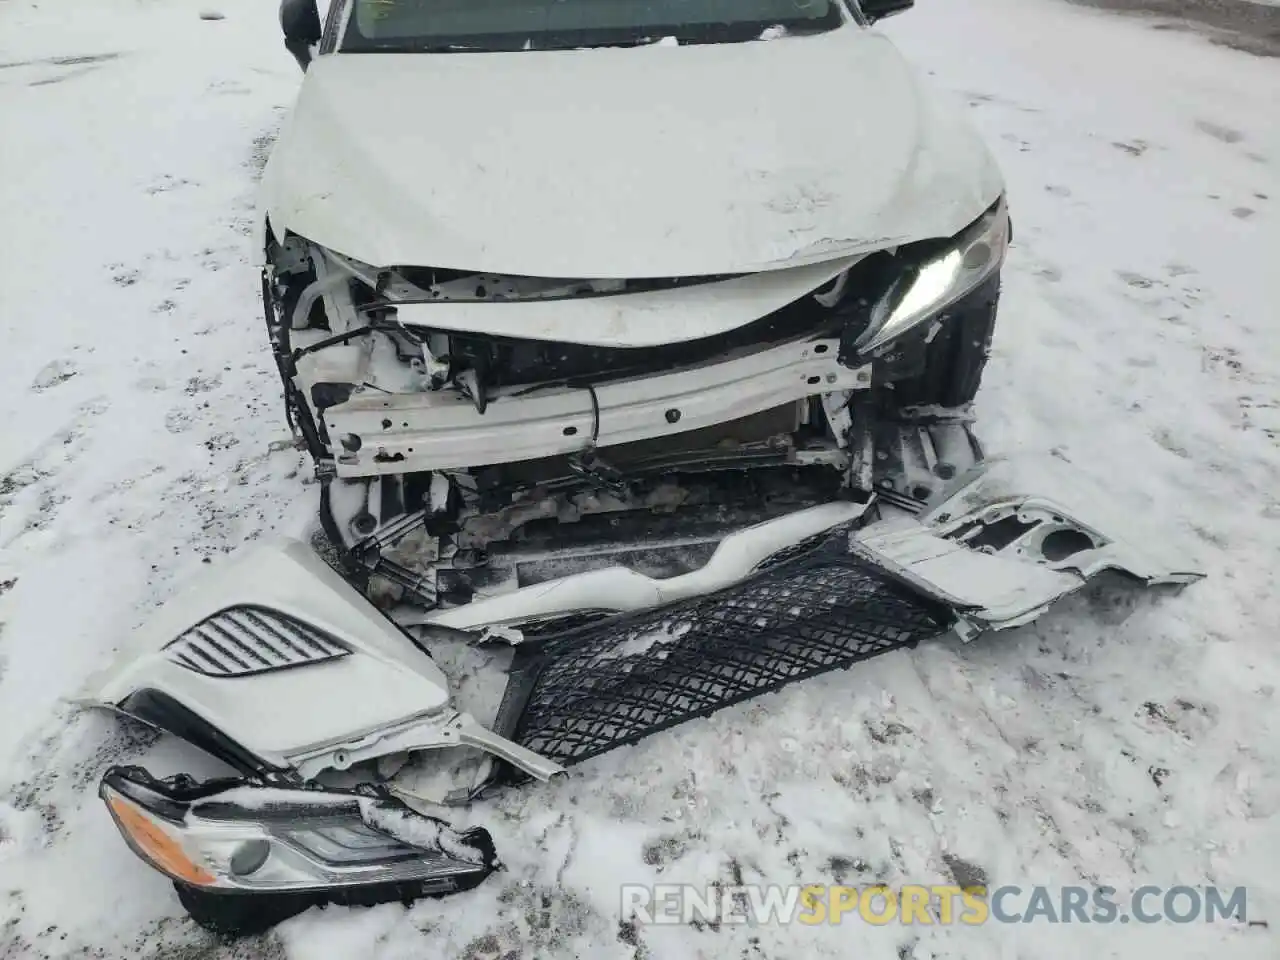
(300, 21)
(879, 9)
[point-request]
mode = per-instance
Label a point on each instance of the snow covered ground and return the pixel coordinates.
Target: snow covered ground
(1249, 25)
(1125, 739)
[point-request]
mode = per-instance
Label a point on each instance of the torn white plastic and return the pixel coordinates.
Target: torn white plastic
(1067, 539)
(418, 432)
(619, 589)
(1000, 557)
(996, 556)
(384, 696)
(645, 319)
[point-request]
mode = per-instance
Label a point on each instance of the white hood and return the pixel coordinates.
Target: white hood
(626, 163)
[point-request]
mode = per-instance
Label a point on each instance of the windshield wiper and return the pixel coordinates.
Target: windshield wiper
(630, 42)
(684, 36)
(403, 47)
(582, 39)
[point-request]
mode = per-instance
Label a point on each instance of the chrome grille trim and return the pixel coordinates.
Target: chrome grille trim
(242, 641)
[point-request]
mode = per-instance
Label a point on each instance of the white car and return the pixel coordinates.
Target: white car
(640, 337)
(533, 263)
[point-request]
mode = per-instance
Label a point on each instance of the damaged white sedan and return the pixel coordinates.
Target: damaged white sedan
(639, 337)
(584, 262)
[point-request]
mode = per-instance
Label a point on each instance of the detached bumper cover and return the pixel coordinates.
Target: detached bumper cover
(983, 557)
(279, 667)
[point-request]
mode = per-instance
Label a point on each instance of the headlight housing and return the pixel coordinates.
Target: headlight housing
(294, 848)
(935, 275)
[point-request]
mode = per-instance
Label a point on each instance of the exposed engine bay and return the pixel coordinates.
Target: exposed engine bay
(452, 457)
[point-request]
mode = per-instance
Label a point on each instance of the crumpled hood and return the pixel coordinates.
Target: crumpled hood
(633, 162)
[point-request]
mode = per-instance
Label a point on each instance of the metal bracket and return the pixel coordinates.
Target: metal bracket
(424, 733)
(836, 407)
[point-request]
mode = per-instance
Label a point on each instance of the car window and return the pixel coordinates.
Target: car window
(548, 24)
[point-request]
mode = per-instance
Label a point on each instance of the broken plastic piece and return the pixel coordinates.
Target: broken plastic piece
(353, 687)
(984, 557)
(1000, 557)
(622, 589)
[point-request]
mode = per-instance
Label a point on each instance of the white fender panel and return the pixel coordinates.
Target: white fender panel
(383, 682)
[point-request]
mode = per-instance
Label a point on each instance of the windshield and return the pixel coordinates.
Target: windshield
(446, 25)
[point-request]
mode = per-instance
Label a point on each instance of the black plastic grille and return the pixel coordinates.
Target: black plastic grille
(241, 641)
(579, 693)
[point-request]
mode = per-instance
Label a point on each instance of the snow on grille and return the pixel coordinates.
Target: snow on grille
(814, 608)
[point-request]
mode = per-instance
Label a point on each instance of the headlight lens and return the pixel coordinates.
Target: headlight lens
(241, 838)
(933, 280)
(156, 841)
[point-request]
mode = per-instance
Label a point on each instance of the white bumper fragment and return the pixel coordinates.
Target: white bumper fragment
(280, 667)
(619, 589)
(233, 654)
(1000, 556)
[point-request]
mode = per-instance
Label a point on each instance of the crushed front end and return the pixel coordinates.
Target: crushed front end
(476, 433)
(656, 497)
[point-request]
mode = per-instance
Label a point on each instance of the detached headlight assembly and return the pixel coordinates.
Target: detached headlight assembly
(244, 857)
(936, 275)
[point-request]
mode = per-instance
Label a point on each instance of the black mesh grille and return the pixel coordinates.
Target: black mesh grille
(579, 693)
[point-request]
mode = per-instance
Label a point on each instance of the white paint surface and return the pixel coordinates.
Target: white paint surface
(664, 161)
(285, 714)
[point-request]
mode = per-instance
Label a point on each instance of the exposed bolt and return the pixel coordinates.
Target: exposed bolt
(363, 524)
(831, 378)
(673, 415)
